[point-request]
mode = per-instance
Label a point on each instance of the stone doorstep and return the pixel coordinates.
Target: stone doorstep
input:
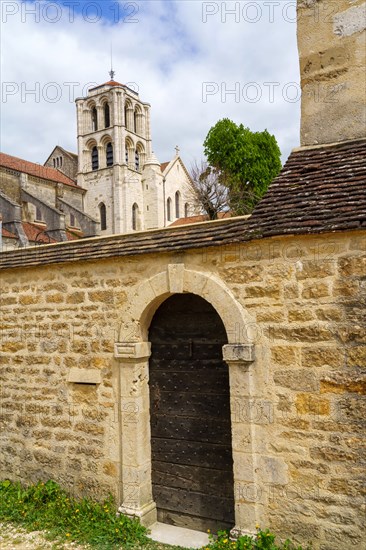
(179, 536)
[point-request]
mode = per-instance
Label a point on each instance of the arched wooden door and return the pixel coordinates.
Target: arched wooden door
(192, 466)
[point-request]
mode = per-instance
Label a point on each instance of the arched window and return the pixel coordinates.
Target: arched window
(54, 163)
(103, 216)
(109, 154)
(107, 116)
(135, 212)
(126, 116)
(186, 210)
(126, 155)
(135, 122)
(177, 205)
(72, 220)
(60, 162)
(94, 114)
(169, 209)
(137, 160)
(95, 158)
(38, 214)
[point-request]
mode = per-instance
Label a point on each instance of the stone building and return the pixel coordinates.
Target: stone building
(114, 185)
(40, 205)
(212, 374)
(127, 188)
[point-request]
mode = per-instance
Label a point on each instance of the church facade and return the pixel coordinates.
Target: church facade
(115, 184)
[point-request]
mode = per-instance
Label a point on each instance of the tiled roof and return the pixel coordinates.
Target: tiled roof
(7, 234)
(33, 169)
(110, 83)
(37, 233)
(319, 189)
(198, 219)
(164, 165)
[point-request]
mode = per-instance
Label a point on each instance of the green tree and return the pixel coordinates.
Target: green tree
(246, 161)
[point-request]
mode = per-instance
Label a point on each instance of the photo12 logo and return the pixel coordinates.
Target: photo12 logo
(68, 11)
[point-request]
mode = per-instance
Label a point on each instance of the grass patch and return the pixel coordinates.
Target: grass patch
(62, 518)
(46, 507)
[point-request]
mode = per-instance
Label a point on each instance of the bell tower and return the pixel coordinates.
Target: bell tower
(114, 142)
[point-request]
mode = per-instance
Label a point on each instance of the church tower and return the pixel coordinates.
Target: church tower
(114, 144)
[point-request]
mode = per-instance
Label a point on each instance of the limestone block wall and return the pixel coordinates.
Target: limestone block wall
(332, 49)
(10, 184)
(75, 410)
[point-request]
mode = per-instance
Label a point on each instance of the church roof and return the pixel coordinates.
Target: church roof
(113, 83)
(38, 234)
(109, 83)
(8, 234)
(33, 169)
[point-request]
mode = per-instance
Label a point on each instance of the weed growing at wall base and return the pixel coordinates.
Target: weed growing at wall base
(45, 506)
(263, 540)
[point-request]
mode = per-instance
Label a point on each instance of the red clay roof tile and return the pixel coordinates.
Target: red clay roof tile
(33, 169)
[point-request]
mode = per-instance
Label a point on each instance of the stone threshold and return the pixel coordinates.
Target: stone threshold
(179, 536)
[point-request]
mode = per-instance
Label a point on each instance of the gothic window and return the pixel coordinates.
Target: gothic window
(94, 119)
(186, 210)
(54, 163)
(137, 160)
(177, 205)
(38, 213)
(169, 209)
(135, 211)
(107, 116)
(60, 162)
(95, 158)
(72, 220)
(109, 154)
(135, 122)
(103, 216)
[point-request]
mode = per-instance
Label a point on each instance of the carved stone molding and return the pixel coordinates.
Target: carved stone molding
(238, 353)
(132, 351)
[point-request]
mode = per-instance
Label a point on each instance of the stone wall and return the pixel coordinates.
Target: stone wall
(332, 48)
(74, 376)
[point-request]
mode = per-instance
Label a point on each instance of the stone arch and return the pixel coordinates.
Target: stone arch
(132, 353)
(129, 115)
(87, 154)
(150, 294)
(129, 152)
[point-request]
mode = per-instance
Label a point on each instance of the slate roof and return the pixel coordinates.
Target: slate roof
(322, 189)
(33, 169)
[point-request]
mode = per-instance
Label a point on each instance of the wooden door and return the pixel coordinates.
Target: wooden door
(192, 467)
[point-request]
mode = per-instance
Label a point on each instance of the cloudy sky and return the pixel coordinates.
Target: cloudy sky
(194, 62)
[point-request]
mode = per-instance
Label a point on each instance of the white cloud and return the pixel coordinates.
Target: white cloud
(170, 52)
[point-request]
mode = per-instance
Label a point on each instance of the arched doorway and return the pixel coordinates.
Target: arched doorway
(192, 465)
